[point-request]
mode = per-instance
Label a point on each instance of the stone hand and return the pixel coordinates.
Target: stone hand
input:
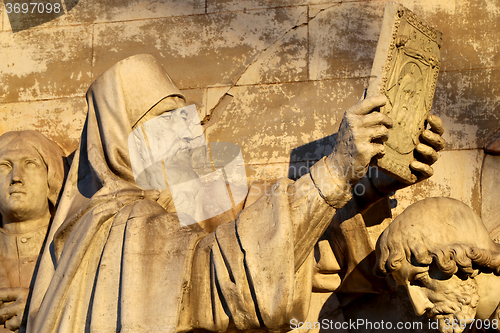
(360, 138)
(12, 308)
(426, 151)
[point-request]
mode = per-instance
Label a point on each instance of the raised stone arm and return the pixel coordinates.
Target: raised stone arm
(359, 140)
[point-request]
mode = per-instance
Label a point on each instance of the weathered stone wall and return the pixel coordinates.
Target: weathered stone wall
(271, 76)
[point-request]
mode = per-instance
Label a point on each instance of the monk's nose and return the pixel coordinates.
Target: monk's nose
(419, 300)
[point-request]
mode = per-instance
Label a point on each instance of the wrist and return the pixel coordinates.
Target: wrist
(383, 183)
(332, 186)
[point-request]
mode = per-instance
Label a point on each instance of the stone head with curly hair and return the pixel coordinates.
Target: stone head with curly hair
(441, 252)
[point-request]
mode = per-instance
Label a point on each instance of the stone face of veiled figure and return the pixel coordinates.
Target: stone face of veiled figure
(441, 252)
(31, 176)
(120, 260)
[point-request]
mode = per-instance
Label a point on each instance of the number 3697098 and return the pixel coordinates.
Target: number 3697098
(33, 7)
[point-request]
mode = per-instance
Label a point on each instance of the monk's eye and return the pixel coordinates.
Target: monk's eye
(420, 279)
(31, 164)
(4, 166)
(184, 115)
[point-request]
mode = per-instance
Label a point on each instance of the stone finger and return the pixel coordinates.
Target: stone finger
(433, 139)
(422, 168)
(377, 133)
(369, 104)
(8, 312)
(427, 152)
(436, 124)
(13, 323)
(377, 118)
(378, 150)
(8, 294)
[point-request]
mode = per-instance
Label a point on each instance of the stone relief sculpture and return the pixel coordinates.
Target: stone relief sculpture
(120, 260)
(441, 252)
(31, 177)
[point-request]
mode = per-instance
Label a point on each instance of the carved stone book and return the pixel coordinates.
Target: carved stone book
(405, 69)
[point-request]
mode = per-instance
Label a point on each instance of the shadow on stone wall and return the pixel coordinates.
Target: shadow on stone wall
(303, 157)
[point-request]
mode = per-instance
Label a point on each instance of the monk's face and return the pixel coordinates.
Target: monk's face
(23, 183)
(176, 136)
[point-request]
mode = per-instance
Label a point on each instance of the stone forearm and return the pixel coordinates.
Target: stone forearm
(314, 199)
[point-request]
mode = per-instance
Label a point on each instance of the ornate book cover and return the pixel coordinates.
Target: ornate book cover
(405, 69)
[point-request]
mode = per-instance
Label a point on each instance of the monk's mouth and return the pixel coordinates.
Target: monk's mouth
(17, 192)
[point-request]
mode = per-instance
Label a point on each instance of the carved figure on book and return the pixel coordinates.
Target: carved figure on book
(31, 176)
(440, 251)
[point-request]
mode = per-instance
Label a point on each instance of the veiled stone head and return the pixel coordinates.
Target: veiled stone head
(440, 251)
(170, 133)
(31, 175)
